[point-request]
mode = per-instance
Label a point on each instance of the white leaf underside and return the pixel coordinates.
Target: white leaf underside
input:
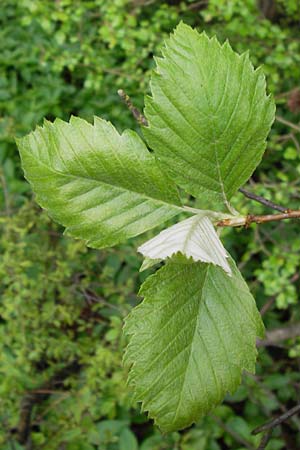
(195, 238)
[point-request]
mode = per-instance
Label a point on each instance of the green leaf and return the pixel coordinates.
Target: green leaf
(103, 186)
(208, 116)
(127, 440)
(190, 340)
(194, 238)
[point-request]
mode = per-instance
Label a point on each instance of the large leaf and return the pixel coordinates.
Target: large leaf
(190, 340)
(195, 238)
(103, 186)
(208, 116)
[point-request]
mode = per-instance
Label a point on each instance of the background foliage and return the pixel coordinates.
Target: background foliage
(62, 305)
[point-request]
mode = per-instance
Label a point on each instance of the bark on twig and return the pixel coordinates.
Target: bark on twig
(263, 200)
(233, 433)
(135, 112)
(198, 5)
(245, 221)
(288, 123)
(265, 439)
(268, 427)
(277, 421)
(35, 397)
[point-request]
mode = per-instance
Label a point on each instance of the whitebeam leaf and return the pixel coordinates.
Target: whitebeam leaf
(209, 116)
(103, 186)
(195, 238)
(190, 340)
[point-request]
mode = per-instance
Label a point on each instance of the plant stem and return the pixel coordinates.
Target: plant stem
(233, 433)
(277, 335)
(23, 428)
(268, 427)
(5, 193)
(265, 439)
(263, 200)
(275, 422)
(135, 112)
(247, 220)
(288, 123)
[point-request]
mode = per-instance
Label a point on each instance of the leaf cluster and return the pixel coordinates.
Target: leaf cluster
(31, 90)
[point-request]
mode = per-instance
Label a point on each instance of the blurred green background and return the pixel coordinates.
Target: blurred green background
(62, 386)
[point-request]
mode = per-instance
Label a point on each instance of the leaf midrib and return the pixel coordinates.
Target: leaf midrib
(190, 233)
(214, 141)
(191, 346)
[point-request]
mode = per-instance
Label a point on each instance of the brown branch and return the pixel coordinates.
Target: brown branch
(293, 138)
(53, 404)
(277, 421)
(135, 112)
(198, 5)
(288, 123)
(33, 398)
(282, 408)
(265, 308)
(265, 439)
(285, 94)
(279, 335)
(5, 193)
(233, 433)
(268, 427)
(142, 2)
(247, 220)
(23, 428)
(262, 200)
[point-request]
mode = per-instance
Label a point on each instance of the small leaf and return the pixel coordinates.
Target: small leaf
(103, 186)
(195, 238)
(208, 116)
(190, 340)
(127, 440)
